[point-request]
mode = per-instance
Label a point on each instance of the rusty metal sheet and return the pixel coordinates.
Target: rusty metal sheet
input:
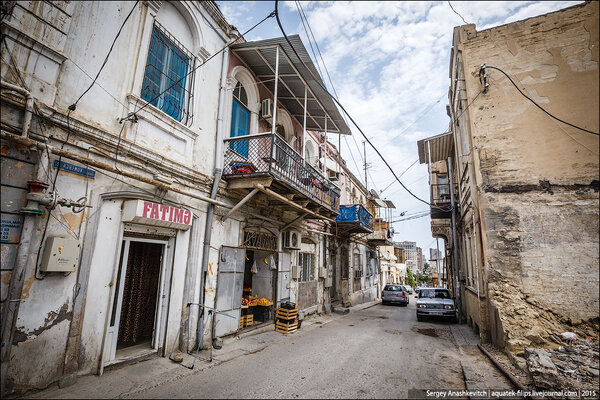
(16, 172)
(9, 254)
(13, 199)
(10, 228)
(17, 151)
(5, 281)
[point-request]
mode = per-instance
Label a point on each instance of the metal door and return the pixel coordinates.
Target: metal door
(230, 280)
(283, 277)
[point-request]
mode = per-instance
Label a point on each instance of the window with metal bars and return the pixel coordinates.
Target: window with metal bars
(306, 262)
(167, 84)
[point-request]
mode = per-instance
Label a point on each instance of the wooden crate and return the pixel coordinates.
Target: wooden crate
(246, 320)
(286, 328)
(286, 314)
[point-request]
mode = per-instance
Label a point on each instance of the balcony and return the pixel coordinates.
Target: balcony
(440, 201)
(380, 234)
(265, 160)
(354, 219)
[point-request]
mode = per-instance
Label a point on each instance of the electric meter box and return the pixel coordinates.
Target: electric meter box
(60, 255)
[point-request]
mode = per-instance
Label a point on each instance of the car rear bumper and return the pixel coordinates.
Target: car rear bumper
(395, 299)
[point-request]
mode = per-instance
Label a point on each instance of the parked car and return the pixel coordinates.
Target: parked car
(435, 302)
(408, 289)
(394, 294)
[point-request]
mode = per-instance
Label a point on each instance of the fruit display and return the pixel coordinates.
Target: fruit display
(264, 302)
(247, 288)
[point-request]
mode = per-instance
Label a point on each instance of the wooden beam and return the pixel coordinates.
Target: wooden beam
(249, 182)
(279, 197)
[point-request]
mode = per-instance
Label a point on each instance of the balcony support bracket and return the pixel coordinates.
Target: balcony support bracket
(241, 203)
(281, 198)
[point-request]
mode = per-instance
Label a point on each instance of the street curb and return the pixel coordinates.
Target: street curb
(506, 373)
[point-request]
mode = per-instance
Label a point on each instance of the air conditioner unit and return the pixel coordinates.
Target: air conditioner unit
(266, 109)
(295, 272)
(333, 175)
(291, 240)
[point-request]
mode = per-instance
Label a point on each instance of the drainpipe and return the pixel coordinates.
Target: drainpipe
(213, 195)
(10, 310)
(454, 242)
(28, 105)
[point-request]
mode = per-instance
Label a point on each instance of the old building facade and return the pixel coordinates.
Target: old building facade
(514, 192)
(195, 170)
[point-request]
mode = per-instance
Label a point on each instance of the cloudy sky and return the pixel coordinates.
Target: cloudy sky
(389, 65)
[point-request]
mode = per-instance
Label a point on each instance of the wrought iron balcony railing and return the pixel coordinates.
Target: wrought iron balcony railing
(266, 153)
(356, 213)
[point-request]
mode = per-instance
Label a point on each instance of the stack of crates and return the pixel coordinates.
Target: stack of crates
(286, 320)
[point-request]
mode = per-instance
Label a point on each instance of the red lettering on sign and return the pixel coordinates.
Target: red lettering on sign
(178, 215)
(147, 207)
(154, 212)
(187, 215)
(163, 210)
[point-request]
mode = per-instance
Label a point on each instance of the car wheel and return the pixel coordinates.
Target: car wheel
(419, 318)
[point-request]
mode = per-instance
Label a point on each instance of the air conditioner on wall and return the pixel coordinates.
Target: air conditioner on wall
(290, 240)
(333, 175)
(266, 109)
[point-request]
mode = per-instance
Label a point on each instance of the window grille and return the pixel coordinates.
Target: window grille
(166, 83)
(306, 261)
(358, 270)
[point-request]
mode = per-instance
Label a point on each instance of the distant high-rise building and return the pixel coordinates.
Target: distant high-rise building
(410, 253)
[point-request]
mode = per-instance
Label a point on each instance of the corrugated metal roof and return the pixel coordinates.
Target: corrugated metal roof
(259, 57)
(441, 147)
(389, 204)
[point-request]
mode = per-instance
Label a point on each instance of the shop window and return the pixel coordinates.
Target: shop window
(307, 262)
(166, 84)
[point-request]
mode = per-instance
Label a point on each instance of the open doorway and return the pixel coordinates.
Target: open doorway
(136, 310)
(260, 278)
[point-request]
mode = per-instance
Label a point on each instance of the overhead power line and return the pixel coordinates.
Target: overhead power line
(342, 107)
(456, 12)
(200, 65)
(536, 104)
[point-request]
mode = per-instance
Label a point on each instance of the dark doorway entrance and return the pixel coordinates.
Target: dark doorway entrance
(140, 293)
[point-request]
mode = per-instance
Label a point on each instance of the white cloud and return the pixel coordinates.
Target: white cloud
(389, 61)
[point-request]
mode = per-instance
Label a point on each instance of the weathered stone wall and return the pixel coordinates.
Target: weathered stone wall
(537, 178)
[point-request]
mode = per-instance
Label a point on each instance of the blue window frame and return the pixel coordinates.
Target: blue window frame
(240, 120)
(165, 78)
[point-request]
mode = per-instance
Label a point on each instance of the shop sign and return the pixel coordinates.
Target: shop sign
(149, 213)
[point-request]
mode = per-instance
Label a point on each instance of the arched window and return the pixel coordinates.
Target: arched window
(310, 153)
(240, 120)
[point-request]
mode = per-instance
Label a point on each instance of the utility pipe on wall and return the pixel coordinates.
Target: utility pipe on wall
(28, 105)
(454, 242)
(213, 195)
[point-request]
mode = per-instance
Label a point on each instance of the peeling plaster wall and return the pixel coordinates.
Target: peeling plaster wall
(537, 179)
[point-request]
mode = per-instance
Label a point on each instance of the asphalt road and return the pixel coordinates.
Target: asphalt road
(379, 352)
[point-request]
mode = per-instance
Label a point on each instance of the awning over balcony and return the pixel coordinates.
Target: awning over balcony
(440, 147)
(260, 58)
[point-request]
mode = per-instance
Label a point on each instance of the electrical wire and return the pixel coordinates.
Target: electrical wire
(272, 14)
(343, 109)
(108, 54)
(455, 12)
(537, 105)
(399, 176)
